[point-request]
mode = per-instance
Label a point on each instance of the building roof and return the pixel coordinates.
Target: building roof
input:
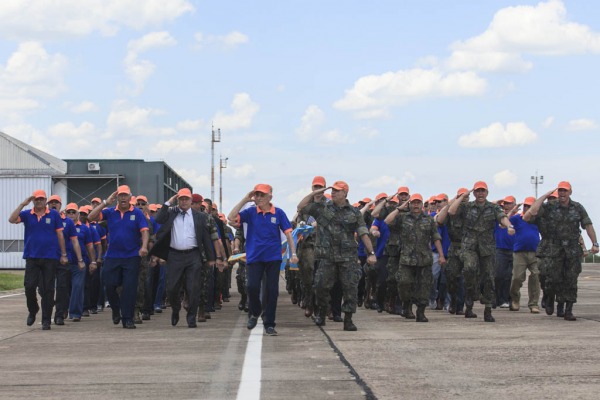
(19, 158)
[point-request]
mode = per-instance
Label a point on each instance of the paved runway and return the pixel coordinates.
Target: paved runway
(520, 356)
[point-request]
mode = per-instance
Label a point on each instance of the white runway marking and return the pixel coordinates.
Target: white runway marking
(11, 295)
(249, 388)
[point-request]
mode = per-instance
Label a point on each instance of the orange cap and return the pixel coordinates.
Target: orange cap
(263, 188)
(395, 199)
(510, 199)
(564, 185)
(55, 197)
(152, 207)
(554, 194)
(84, 209)
(142, 197)
(480, 185)
(431, 199)
(72, 206)
(158, 206)
(96, 200)
(365, 200)
(132, 200)
(381, 196)
(403, 189)
(461, 191)
(123, 189)
(39, 194)
(441, 197)
(356, 205)
(318, 181)
(529, 201)
(327, 196)
(184, 192)
(341, 185)
(416, 196)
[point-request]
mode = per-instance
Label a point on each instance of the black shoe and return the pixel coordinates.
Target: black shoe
(338, 318)
(31, 319)
(270, 331)
(158, 310)
(359, 303)
(560, 309)
(145, 316)
(252, 321)
(46, 325)
(421, 314)
(59, 321)
(128, 324)
(320, 320)
(348, 324)
(192, 322)
(487, 315)
(116, 317)
(469, 313)
(85, 313)
(174, 318)
(94, 311)
(241, 306)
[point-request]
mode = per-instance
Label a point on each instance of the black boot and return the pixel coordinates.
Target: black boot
(348, 324)
(452, 307)
(408, 312)
(242, 303)
(544, 299)
(421, 314)
(550, 304)
(487, 315)
(560, 309)
(321, 317)
(569, 312)
(469, 309)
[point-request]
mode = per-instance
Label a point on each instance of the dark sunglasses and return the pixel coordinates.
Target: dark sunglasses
(141, 203)
(71, 212)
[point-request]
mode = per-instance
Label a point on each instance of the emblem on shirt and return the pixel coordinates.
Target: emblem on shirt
(64, 224)
(78, 230)
(132, 217)
(273, 220)
(48, 220)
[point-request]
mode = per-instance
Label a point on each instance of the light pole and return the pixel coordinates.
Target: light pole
(216, 137)
(537, 180)
(222, 164)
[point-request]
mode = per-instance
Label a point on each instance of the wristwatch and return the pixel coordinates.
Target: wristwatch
(372, 253)
(595, 244)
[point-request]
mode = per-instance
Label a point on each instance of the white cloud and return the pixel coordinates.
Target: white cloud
(84, 107)
(505, 178)
(68, 130)
(29, 134)
(548, 122)
(140, 70)
(228, 41)
(200, 182)
(373, 95)
(43, 20)
(582, 124)
(542, 29)
(192, 125)
(497, 135)
(176, 146)
(30, 73)
(126, 120)
(311, 123)
(243, 109)
(243, 171)
(390, 183)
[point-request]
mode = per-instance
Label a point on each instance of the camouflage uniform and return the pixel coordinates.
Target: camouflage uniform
(544, 259)
(478, 251)
(240, 275)
(454, 268)
(207, 271)
(563, 249)
(337, 251)
(414, 276)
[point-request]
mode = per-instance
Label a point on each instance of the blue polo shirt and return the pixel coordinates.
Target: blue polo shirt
(384, 235)
(503, 239)
(40, 234)
(527, 236)
(84, 236)
(263, 237)
(69, 232)
(125, 231)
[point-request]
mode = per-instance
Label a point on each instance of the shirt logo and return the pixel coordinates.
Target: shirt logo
(48, 221)
(64, 224)
(273, 220)
(132, 217)
(77, 229)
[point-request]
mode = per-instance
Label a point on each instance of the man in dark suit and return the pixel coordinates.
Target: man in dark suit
(181, 239)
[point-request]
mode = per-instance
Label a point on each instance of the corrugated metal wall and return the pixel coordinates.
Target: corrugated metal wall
(13, 190)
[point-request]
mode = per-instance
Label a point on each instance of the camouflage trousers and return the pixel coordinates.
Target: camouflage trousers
(206, 275)
(414, 283)
(240, 278)
(478, 270)
(328, 272)
(306, 268)
(393, 265)
(142, 286)
(454, 270)
(561, 277)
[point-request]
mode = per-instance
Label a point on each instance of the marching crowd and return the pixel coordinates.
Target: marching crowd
(391, 253)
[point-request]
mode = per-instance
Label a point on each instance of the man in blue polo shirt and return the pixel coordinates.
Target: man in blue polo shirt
(263, 250)
(44, 249)
(128, 243)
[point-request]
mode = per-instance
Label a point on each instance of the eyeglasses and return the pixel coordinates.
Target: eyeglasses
(141, 203)
(71, 212)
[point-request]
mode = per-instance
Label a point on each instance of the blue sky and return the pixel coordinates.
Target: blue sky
(431, 94)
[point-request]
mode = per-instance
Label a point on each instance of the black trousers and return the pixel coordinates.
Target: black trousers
(40, 273)
(184, 269)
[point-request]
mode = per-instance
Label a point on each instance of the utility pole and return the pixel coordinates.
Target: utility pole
(537, 180)
(222, 164)
(216, 137)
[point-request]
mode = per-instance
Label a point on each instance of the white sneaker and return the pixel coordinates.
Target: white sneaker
(504, 305)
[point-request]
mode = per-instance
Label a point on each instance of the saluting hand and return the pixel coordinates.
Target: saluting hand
(111, 199)
(27, 201)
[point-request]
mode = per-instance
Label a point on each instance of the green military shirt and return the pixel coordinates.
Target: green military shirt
(336, 227)
(309, 241)
(479, 222)
(417, 232)
(392, 247)
(212, 228)
(239, 235)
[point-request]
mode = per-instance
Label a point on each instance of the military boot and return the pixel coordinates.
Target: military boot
(569, 312)
(469, 312)
(408, 312)
(321, 317)
(421, 314)
(550, 304)
(242, 303)
(560, 309)
(452, 306)
(348, 324)
(487, 315)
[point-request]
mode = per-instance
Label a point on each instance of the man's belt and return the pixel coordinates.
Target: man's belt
(565, 242)
(184, 251)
